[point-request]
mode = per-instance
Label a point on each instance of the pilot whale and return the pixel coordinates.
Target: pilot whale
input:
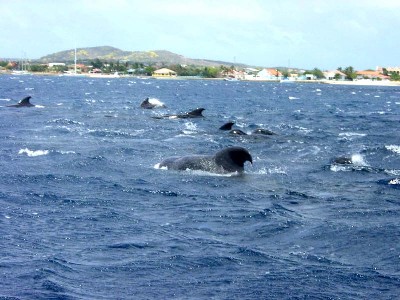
(197, 113)
(23, 103)
(342, 160)
(227, 160)
(260, 131)
(150, 103)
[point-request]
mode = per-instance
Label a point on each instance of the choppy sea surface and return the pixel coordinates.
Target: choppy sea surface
(85, 214)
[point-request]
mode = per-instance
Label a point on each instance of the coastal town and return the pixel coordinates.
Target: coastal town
(114, 69)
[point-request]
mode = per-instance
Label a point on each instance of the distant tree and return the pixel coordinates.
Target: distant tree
(318, 73)
(210, 72)
(337, 76)
(149, 70)
(350, 73)
(285, 73)
(38, 68)
(97, 64)
(395, 76)
(59, 69)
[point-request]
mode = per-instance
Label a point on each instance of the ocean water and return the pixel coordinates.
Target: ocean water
(85, 214)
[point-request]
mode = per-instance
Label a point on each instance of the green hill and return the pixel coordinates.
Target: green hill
(107, 53)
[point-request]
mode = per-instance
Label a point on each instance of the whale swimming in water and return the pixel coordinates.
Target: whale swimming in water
(150, 103)
(259, 131)
(23, 103)
(227, 160)
(227, 126)
(197, 113)
(342, 160)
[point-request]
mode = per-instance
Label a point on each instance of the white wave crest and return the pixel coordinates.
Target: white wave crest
(66, 152)
(200, 172)
(393, 148)
(33, 153)
(358, 160)
(393, 172)
(395, 181)
(271, 170)
(351, 134)
(156, 102)
(339, 168)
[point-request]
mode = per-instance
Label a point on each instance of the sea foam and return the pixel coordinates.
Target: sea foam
(33, 153)
(393, 148)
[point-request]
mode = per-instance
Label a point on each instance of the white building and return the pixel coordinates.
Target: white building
(331, 75)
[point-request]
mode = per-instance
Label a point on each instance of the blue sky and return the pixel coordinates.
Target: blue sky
(268, 33)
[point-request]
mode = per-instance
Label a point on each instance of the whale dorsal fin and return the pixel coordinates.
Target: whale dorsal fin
(227, 126)
(25, 101)
(197, 112)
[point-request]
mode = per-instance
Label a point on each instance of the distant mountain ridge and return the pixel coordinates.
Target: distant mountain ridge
(109, 53)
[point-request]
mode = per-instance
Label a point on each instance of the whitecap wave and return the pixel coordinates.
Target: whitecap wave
(393, 172)
(190, 128)
(199, 172)
(66, 152)
(156, 102)
(352, 134)
(33, 153)
(393, 148)
(395, 181)
(271, 170)
(339, 168)
(358, 160)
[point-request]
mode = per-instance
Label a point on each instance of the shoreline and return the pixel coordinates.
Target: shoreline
(364, 82)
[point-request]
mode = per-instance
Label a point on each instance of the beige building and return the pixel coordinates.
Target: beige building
(393, 70)
(164, 72)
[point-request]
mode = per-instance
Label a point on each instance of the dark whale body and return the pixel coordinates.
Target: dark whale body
(258, 131)
(227, 126)
(227, 160)
(263, 131)
(342, 160)
(237, 132)
(23, 103)
(197, 113)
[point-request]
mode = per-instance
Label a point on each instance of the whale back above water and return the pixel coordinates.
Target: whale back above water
(227, 160)
(263, 131)
(258, 131)
(237, 132)
(196, 113)
(227, 126)
(342, 160)
(23, 103)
